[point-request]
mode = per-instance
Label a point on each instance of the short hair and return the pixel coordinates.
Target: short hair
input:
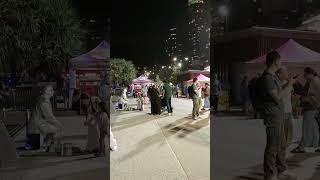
(309, 70)
(272, 57)
(206, 84)
(195, 79)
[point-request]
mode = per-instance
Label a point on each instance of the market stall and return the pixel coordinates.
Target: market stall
(293, 55)
(140, 83)
(90, 69)
(202, 79)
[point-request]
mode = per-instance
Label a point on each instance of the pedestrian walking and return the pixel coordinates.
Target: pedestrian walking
(72, 85)
(283, 76)
(310, 127)
(245, 95)
(216, 88)
(270, 93)
(206, 94)
(167, 90)
(157, 100)
(194, 94)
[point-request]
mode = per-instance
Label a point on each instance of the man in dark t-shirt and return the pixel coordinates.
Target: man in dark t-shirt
(272, 112)
(167, 89)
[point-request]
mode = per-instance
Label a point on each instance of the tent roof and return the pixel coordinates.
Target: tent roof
(201, 78)
(142, 79)
(292, 52)
(96, 57)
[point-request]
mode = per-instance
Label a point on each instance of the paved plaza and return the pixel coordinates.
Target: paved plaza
(238, 146)
(161, 147)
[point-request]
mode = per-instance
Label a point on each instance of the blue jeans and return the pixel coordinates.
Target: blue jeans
(206, 102)
(168, 103)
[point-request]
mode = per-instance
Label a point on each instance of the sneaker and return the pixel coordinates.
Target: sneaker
(298, 150)
(287, 175)
(195, 118)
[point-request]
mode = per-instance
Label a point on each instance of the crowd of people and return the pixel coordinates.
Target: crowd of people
(271, 96)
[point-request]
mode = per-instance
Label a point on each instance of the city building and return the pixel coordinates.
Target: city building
(199, 34)
(173, 44)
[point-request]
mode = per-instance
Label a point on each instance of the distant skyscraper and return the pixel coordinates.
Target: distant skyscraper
(173, 44)
(199, 32)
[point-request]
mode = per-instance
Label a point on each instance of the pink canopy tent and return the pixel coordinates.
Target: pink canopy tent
(142, 80)
(292, 52)
(94, 58)
(201, 78)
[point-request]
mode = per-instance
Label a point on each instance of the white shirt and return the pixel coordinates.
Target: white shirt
(287, 100)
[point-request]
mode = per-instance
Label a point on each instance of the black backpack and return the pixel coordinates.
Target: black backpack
(190, 91)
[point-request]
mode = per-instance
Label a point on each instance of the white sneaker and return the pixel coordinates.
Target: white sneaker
(287, 175)
(114, 148)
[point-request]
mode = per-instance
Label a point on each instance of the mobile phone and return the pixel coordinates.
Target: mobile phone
(295, 77)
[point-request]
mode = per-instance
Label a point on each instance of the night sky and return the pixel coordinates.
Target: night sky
(139, 28)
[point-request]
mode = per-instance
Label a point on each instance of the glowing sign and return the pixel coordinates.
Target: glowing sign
(195, 2)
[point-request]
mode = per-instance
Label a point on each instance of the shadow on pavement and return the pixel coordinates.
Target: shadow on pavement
(32, 163)
(316, 175)
(133, 121)
(294, 162)
(170, 130)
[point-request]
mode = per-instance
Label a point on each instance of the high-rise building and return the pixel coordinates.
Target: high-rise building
(199, 34)
(173, 44)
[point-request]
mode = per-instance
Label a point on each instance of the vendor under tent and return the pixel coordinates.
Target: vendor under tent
(90, 68)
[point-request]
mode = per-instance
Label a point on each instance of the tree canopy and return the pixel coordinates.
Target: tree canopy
(122, 72)
(37, 33)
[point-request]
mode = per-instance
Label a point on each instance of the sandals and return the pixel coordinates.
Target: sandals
(298, 150)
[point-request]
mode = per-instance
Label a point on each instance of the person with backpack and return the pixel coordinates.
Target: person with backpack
(271, 108)
(216, 88)
(194, 94)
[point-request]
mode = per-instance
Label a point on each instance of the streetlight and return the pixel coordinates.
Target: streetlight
(180, 64)
(175, 59)
(186, 58)
(162, 67)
